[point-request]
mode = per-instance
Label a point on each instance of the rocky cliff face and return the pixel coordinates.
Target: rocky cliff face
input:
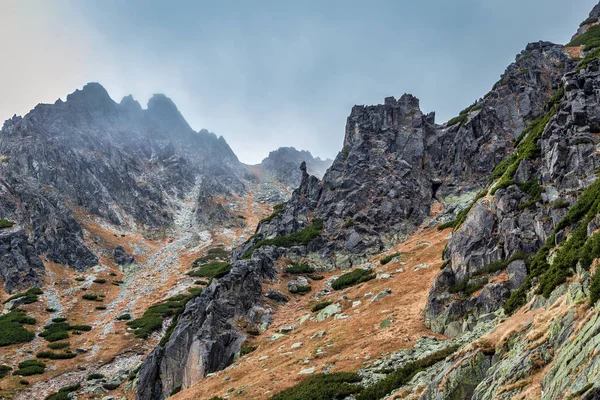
(118, 162)
(282, 164)
(395, 163)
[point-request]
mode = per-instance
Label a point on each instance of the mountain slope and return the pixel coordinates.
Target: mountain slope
(395, 166)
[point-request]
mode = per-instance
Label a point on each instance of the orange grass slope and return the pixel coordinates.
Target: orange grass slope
(348, 343)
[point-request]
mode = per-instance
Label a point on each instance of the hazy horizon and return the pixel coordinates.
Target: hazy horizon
(276, 74)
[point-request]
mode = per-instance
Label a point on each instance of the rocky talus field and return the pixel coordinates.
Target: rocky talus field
(142, 260)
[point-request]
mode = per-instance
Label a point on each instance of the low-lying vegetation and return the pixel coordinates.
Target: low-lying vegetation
(63, 393)
(578, 247)
(464, 115)
(403, 375)
(58, 345)
(302, 290)
(389, 258)
(247, 349)
(501, 265)
(153, 317)
(28, 297)
(12, 330)
(216, 253)
(4, 223)
(590, 39)
(301, 237)
(123, 317)
(56, 356)
(91, 296)
(30, 367)
(100, 281)
(467, 288)
(277, 209)
(59, 330)
(334, 386)
(4, 370)
(213, 269)
(298, 269)
(320, 306)
(352, 278)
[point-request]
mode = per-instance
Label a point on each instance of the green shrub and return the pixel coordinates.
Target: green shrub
(58, 345)
(474, 287)
(277, 209)
(316, 277)
(29, 371)
(56, 356)
(464, 114)
(590, 39)
(56, 336)
(211, 255)
(4, 223)
(4, 370)
(334, 386)
(153, 317)
(589, 57)
(213, 269)
(94, 376)
(320, 306)
(100, 281)
(297, 269)
(30, 367)
(23, 382)
(501, 265)
(100, 307)
(389, 258)
(402, 376)
(112, 274)
(247, 350)
(81, 328)
(533, 190)
(301, 289)
(124, 317)
(80, 279)
(90, 296)
(595, 288)
(349, 223)
(63, 393)
(50, 309)
(11, 328)
(352, 278)
(30, 296)
(59, 319)
(301, 237)
(569, 254)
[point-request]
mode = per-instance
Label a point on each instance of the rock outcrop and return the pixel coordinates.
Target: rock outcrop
(118, 162)
(282, 164)
(394, 164)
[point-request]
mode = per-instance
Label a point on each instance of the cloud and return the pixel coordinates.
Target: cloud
(272, 73)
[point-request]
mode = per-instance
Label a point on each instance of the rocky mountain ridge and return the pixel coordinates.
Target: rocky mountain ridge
(396, 163)
(116, 161)
(283, 164)
(511, 183)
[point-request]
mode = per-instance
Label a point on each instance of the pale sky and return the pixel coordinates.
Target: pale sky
(271, 73)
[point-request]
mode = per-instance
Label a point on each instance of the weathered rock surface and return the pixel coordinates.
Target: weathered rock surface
(90, 155)
(283, 164)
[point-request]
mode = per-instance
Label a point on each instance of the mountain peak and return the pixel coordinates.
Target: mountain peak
(162, 109)
(93, 96)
